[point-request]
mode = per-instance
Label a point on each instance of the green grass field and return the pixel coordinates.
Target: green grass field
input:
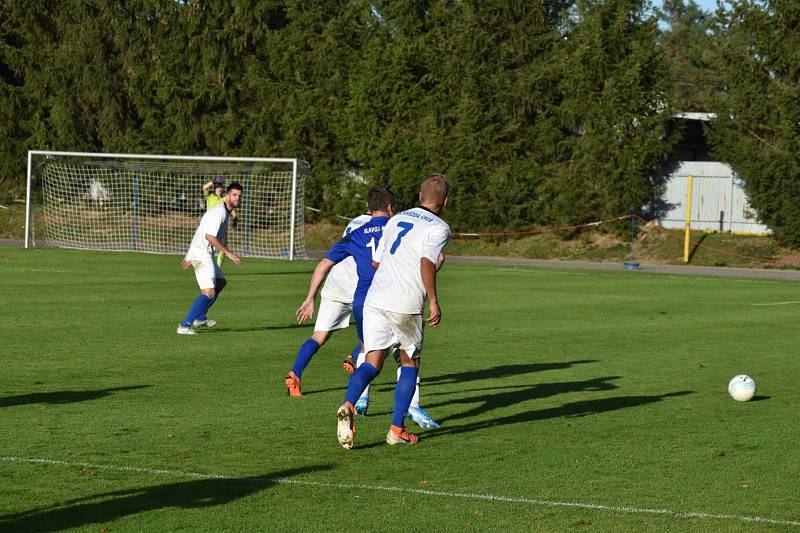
(570, 400)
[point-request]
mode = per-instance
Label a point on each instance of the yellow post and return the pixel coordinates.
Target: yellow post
(688, 221)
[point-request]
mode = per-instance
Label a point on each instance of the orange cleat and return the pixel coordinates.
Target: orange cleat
(399, 435)
(349, 365)
(293, 385)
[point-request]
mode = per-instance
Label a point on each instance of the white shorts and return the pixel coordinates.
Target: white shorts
(382, 329)
(333, 315)
(207, 272)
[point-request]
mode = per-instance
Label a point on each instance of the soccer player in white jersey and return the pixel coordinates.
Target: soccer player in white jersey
(334, 312)
(412, 244)
(214, 194)
(212, 233)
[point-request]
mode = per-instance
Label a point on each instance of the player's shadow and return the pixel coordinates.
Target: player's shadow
(503, 371)
(255, 328)
(569, 410)
(495, 372)
(460, 377)
(522, 393)
(106, 507)
(68, 396)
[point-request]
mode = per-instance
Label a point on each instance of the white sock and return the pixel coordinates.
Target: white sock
(361, 357)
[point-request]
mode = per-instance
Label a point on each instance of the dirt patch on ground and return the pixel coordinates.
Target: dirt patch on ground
(604, 240)
(792, 260)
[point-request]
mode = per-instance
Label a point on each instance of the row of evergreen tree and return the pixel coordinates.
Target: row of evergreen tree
(543, 112)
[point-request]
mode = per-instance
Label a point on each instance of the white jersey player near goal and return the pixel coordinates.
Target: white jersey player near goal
(335, 309)
(211, 234)
(408, 256)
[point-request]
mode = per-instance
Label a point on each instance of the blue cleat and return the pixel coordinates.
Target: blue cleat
(421, 418)
(361, 406)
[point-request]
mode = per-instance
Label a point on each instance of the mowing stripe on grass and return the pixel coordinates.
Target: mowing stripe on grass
(424, 492)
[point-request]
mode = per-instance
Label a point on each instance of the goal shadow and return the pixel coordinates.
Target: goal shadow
(60, 397)
(194, 494)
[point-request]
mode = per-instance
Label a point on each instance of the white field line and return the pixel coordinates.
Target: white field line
(778, 303)
(424, 492)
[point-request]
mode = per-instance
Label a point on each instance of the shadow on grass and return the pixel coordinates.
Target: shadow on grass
(193, 494)
(460, 377)
(523, 393)
(255, 328)
(68, 396)
(568, 410)
(501, 372)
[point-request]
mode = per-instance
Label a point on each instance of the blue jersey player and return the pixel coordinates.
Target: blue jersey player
(360, 244)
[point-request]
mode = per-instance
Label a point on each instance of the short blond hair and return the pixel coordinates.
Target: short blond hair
(434, 188)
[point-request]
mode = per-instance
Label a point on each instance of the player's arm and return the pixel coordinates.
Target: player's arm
(207, 188)
(377, 257)
(306, 309)
(216, 243)
(429, 266)
(427, 269)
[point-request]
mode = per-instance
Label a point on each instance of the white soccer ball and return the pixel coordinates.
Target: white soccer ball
(742, 388)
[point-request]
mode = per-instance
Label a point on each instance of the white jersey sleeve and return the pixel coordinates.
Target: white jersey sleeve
(407, 238)
(215, 223)
(342, 279)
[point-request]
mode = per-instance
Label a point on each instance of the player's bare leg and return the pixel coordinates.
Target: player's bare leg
(351, 360)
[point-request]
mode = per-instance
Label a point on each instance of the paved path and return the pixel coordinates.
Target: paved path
(729, 272)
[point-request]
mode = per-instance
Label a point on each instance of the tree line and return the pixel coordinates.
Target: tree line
(544, 112)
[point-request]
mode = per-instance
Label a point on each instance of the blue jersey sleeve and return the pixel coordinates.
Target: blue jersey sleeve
(341, 250)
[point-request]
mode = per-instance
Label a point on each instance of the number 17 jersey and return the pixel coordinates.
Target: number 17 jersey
(360, 244)
(408, 237)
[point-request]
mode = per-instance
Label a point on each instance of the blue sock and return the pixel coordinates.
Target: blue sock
(217, 290)
(202, 315)
(406, 385)
(195, 310)
(355, 352)
(304, 355)
(359, 381)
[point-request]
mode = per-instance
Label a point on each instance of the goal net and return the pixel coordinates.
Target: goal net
(148, 203)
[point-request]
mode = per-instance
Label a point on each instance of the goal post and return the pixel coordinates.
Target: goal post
(153, 203)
